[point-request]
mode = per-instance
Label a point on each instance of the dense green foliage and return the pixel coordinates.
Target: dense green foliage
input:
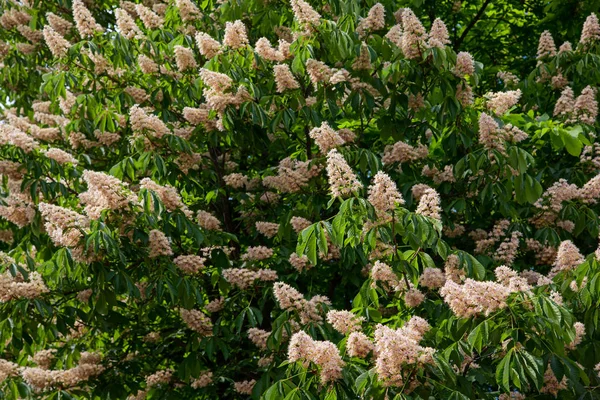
(166, 174)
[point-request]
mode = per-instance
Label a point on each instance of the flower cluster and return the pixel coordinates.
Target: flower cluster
(322, 353)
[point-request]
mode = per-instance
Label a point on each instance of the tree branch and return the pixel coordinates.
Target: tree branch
(471, 24)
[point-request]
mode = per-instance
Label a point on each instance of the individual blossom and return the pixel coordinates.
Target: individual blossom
(13, 170)
(184, 58)
(243, 277)
(290, 299)
(265, 361)
(318, 71)
(139, 95)
(305, 14)
(244, 387)
(432, 278)
(513, 134)
(579, 334)
(190, 264)
(559, 81)
(207, 46)
(452, 269)
(438, 35)
(292, 175)
(590, 192)
(507, 251)
(141, 121)
(586, 106)
(187, 162)
(397, 349)
(208, 221)
(159, 244)
(15, 137)
(301, 263)
(464, 94)
(565, 47)
(429, 205)
(284, 79)
(402, 152)
(269, 229)
(546, 46)
(325, 137)
(258, 337)
(84, 21)
(445, 175)
(513, 281)
(235, 35)
(59, 24)
(374, 21)
(44, 358)
(152, 337)
(344, 322)
(413, 297)
(16, 287)
(342, 180)
(414, 37)
(322, 353)
(363, 61)
(501, 102)
(34, 36)
(551, 384)
(264, 49)
(6, 235)
(57, 44)
(489, 133)
(215, 305)
(150, 19)
(127, 26)
(105, 192)
(205, 379)
(66, 103)
(65, 227)
(474, 297)
(384, 274)
(359, 345)
(216, 80)
(394, 35)
(591, 31)
(84, 295)
(415, 102)
(565, 105)
(299, 224)
(257, 253)
(197, 321)
(168, 195)
(188, 10)
(60, 156)
(383, 193)
(300, 345)
(568, 258)
(340, 76)
(236, 180)
(465, 65)
(159, 378)
(509, 78)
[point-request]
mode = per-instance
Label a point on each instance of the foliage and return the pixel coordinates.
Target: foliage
(193, 193)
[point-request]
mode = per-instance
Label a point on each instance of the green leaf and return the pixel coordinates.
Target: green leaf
(503, 372)
(479, 336)
(572, 142)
